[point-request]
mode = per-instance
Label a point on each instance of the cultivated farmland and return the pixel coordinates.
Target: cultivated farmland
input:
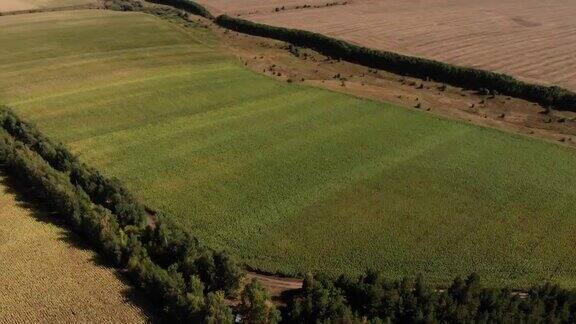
(46, 278)
(19, 5)
(258, 6)
(290, 178)
(530, 39)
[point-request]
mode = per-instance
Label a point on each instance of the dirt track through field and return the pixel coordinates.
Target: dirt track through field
(46, 277)
(530, 39)
(276, 285)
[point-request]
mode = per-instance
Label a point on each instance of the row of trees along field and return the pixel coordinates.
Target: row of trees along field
(427, 69)
(190, 281)
(371, 298)
(465, 77)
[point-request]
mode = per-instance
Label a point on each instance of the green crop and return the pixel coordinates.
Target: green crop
(290, 178)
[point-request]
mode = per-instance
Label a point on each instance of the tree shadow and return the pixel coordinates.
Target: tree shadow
(27, 200)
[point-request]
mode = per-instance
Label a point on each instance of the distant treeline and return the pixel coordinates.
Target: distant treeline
(422, 68)
(426, 69)
(370, 298)
(186, 5)
(188, 280)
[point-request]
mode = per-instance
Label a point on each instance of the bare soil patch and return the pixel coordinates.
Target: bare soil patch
(530, 39)
(276, 285)
(47, 277)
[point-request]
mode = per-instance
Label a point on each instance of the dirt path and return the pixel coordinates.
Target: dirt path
(275, 284)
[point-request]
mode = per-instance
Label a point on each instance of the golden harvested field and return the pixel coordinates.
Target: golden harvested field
(45, 278)
(531, 39)
(17, 5)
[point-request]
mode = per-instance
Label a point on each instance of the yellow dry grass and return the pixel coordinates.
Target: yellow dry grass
(44, 278)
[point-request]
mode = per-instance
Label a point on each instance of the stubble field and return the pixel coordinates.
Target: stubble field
(46, 278)
(286, 177)
(257, 6)
(530, 39)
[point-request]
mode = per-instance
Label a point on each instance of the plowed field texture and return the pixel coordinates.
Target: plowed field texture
(531, 39)
(45, 277)
(290, 178)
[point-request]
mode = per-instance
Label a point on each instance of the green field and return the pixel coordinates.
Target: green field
(290, 178)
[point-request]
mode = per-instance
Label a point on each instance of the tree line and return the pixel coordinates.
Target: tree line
(426, 69)
(370, 298)
(189, 280)
(192, 282)
(188, 6)
(422, 68)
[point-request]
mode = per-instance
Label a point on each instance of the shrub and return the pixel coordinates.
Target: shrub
(320, 301)
(109, 193)
(168, 243)
(256, 306)
(217, 312)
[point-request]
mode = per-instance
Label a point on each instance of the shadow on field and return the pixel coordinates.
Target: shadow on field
(26, 199)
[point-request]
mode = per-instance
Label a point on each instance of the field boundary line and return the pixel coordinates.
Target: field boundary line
(40, 10)
(483, 81)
